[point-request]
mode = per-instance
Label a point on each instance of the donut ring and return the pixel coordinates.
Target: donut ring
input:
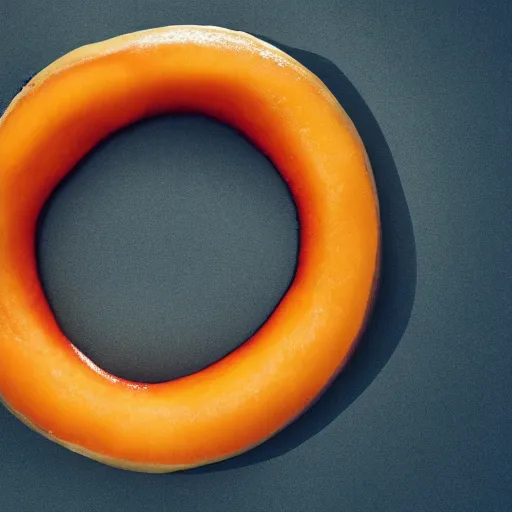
(245, 398)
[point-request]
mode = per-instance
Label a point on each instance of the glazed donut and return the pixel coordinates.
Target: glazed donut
(255, 391)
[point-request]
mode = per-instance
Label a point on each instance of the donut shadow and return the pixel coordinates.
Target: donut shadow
(395, 299)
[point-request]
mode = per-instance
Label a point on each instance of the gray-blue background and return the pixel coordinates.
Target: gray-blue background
(174, 240)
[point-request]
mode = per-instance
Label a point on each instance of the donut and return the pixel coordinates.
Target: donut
(255, 391)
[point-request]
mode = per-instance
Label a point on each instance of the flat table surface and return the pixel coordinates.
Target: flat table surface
(174, 240)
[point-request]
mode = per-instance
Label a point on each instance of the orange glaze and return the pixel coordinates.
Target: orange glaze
(245, 398)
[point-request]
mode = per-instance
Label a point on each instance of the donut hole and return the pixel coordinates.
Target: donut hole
(167, 247)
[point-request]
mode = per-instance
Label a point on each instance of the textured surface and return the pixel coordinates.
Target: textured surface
(168, 294)
(421, 419)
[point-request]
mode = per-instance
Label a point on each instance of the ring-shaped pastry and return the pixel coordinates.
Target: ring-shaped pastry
(243, 399)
